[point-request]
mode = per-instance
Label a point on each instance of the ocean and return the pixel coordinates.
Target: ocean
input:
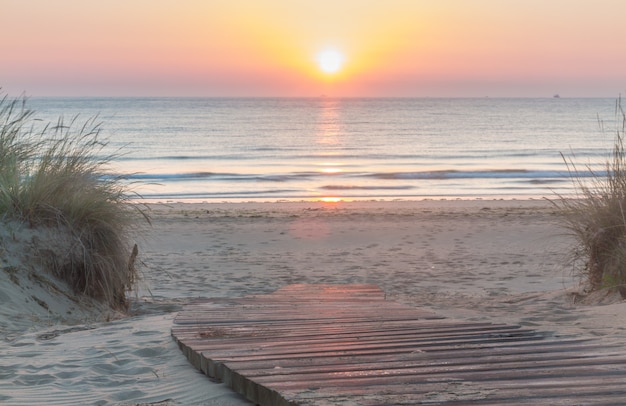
(276, 149)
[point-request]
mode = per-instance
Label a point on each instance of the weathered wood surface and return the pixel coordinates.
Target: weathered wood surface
(347, 345)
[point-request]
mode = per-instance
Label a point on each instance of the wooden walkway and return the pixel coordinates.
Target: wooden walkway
(347, 345)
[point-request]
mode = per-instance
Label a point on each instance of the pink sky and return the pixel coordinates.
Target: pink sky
(405, 48)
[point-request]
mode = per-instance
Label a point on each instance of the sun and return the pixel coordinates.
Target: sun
(330, 60)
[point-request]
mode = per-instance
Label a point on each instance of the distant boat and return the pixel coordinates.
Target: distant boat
(556, 96)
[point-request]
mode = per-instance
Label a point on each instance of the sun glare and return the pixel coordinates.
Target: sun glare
(330, 60)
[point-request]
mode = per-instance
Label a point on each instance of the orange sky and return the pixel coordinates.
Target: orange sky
(407, 48)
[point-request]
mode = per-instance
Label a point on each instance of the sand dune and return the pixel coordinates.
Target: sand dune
(503, 261)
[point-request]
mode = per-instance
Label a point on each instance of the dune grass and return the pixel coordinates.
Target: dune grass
(597, 216)
(55, 175)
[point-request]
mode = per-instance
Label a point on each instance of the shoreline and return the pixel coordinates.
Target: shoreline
(339, 199)
(377, 204)
(482, 259)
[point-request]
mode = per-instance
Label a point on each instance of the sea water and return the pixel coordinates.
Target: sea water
(269, 149)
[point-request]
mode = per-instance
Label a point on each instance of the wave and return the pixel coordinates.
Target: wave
(222, 194)
(277, 155)
(481, 174)
(537, 176)
(129, 158)
(354, 187)
(214, 176)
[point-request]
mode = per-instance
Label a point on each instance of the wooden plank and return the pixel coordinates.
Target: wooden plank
(346, 344)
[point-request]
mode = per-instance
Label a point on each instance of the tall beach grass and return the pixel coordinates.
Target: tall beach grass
(55, 176)
(596, 215)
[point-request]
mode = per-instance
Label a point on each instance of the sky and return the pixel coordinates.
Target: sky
(268, 48)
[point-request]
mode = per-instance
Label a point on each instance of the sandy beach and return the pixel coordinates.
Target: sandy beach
(481, 260)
